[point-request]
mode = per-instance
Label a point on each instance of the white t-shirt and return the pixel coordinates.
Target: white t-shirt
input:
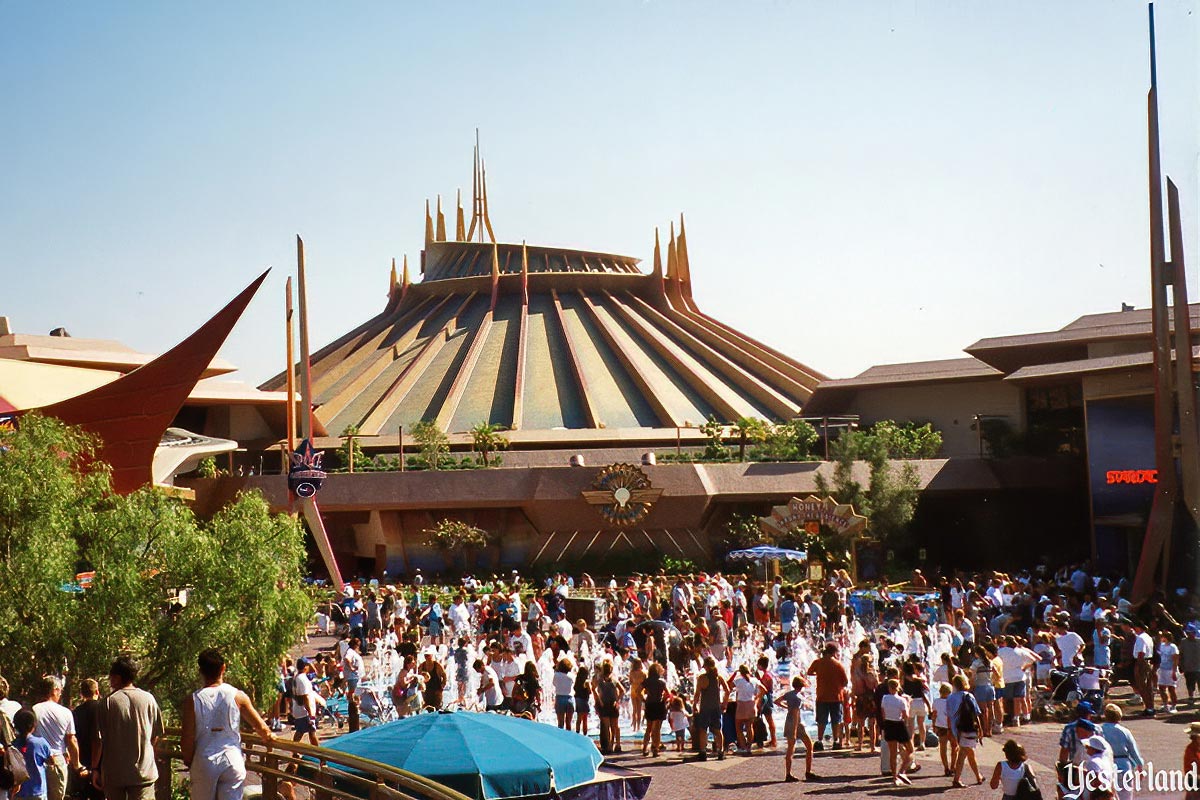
(301, 686)
(10, 707)
(894, 707)
(679, 720)
(505, 669)
(1143, 645)
(1168, 654)
(54, 723)
(564, 684)
(521, 643)
(491, 695)
(939, 713)
(460, 617)
(1015, 659)
(746, 688)
(1069, 645)
(352, 664)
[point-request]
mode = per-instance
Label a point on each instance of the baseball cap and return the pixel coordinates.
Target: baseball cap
(301, 663)
(1084, 707)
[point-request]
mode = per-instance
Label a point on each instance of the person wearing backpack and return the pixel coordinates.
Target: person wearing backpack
(37, 755)
(1014, 775)
(962, 712)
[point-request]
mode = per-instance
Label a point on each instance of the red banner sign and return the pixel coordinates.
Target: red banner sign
(1131, 476)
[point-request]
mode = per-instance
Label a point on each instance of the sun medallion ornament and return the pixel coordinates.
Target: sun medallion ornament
(622, 494)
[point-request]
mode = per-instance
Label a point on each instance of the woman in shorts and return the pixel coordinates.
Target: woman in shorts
(984, 689)
(654, 704)
(583, 697)
(947, 745)
(894, 709)
(564, 706)
(1168, 670)
(608, 695)
(866, 712)
(793, 728)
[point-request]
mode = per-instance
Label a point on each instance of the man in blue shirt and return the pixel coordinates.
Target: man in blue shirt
(787, 615)
(37, 753)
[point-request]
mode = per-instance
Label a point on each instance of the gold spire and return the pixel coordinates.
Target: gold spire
(428, 226)
(441, 221)
(479, 203)
(657, 272)
(392, 283)
(487, 221)
(685, 268)
(404, 274)
(672, 261)
(460, 227)
(474, 190)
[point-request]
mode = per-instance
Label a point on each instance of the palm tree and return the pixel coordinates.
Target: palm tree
(486, 439)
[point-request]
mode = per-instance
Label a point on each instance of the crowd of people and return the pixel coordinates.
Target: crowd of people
(941, 664)
(704, 659)
(109, 746)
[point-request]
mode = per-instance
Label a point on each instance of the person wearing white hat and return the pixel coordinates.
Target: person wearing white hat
(1098, 770)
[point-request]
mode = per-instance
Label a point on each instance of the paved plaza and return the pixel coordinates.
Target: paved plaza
(850, 774)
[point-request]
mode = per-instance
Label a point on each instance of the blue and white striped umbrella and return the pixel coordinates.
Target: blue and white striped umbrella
(765, 552)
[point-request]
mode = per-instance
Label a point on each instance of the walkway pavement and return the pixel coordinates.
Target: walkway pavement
(850, 774)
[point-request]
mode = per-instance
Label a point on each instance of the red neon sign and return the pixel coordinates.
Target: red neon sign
(1132, 476)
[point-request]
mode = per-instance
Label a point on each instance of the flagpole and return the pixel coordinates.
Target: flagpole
(305, 367)
(291, 371)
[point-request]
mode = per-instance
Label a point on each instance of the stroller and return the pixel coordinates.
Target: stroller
(1071, 685)
(374, 705)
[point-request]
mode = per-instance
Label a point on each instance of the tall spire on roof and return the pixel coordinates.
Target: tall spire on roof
(392, 283)
(404, 281)
(428, 226)
(441, 221)
(658, 271)
(685, 268)
(479, 208)
(672, 259)
(460, 226)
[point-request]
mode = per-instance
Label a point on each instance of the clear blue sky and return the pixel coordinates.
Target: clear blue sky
(863, 183)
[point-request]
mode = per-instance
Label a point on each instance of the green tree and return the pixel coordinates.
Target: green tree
(908, 440)
(486, 439)
(751, 430)
(742, 531)
(431, 442)
(714, 449)
(452, 536)
(789, 441)
(351, 457)
(890, 496)
(240, 574)
(207, 468)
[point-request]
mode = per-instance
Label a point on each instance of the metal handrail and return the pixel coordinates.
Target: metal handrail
(329, 774)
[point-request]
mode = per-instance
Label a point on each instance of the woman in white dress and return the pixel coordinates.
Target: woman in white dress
(211, 740)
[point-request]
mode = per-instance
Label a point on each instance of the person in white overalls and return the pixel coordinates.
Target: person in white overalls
(211, 740)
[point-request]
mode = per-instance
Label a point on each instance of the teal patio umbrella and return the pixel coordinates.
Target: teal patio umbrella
(484, 756)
